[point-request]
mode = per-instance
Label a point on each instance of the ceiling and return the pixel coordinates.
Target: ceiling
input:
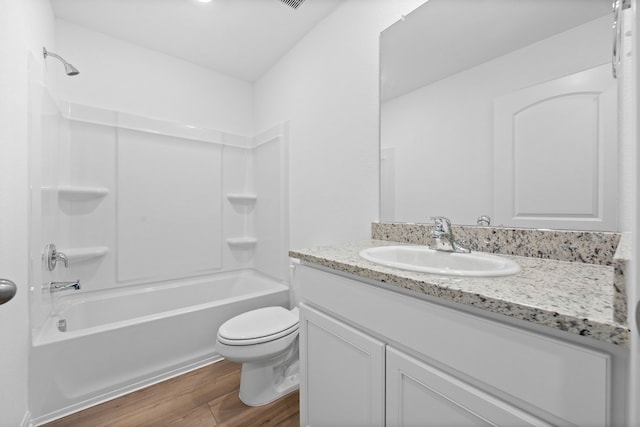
(241, 38)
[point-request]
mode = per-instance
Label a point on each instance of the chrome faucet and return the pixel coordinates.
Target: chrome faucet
(443, 236)
(63, 286)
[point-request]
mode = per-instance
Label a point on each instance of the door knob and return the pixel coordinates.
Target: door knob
(7, 290)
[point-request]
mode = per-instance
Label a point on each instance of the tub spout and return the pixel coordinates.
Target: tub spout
(63, 286)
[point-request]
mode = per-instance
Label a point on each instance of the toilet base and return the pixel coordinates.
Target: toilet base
(265, 381)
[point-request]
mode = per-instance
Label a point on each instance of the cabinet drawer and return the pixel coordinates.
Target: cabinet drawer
(569, 382)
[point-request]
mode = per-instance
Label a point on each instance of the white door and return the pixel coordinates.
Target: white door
(14, 327)
(13, 262)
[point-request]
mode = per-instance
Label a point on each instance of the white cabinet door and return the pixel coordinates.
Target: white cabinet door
(342, 373)
(420, 395)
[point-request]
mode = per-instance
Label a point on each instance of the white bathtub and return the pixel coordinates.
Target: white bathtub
(119, 341)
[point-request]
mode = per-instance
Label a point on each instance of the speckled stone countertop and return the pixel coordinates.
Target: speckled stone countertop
(570, 296)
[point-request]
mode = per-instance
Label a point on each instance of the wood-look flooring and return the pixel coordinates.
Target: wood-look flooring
(206, 397)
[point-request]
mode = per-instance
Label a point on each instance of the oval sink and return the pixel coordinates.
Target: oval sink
(425, 260)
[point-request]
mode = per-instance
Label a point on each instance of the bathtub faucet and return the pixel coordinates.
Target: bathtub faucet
(63, 286)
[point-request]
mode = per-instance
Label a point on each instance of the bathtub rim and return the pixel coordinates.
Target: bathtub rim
(48, 333)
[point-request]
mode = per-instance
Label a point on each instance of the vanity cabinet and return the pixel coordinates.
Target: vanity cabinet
(374, 356)
(353, 379)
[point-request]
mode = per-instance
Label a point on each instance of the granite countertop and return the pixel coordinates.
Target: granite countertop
(570, 296)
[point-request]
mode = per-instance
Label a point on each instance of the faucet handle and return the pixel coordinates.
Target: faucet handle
(442, 226)
(52, 256)
(484, 220)
(444, 236)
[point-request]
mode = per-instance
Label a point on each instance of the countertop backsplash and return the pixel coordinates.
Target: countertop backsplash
(563, 245)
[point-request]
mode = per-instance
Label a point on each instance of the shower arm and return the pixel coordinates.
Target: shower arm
(46, 53)
(69, 69)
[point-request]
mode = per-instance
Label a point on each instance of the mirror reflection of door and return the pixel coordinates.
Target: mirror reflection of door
(442, 71)
(555, 153)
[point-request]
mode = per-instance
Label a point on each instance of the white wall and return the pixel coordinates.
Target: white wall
(629, 203)
(445, 130)
(327, 87)
(25, 26)
(121, 76)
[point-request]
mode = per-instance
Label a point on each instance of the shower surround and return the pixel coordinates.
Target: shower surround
(145, 209)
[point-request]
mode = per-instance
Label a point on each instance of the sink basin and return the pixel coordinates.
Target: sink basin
(425, 260)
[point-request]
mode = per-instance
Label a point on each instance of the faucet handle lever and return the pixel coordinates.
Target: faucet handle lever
(442, 226)
(484, 220)
(443, 235)
(52, 256)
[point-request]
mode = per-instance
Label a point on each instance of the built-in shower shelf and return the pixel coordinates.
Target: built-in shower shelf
(242, 242)
(77, 193)
(242, 198)
(75, 255)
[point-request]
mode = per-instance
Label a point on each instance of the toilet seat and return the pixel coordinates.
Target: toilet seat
(258, 326)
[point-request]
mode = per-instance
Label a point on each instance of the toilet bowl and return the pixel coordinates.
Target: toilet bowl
(265, 341)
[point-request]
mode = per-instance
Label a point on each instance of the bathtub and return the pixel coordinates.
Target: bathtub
(119, 341)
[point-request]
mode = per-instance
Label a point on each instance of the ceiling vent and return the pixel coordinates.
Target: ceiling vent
(293, 3)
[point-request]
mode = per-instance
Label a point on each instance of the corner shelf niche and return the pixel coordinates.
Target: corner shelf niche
(75, 255)
(242, 198)
(78, 193)
(244, 243)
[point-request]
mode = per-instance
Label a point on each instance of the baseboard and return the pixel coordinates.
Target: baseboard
(43, 419)
(26, 420)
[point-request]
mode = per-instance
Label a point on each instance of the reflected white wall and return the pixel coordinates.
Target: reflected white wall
(327, 86)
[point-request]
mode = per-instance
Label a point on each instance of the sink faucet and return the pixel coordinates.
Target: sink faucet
(443, 236)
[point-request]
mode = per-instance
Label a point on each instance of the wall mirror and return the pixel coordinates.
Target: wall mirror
(506, 108)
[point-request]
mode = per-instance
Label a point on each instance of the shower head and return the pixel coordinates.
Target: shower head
(69, 69)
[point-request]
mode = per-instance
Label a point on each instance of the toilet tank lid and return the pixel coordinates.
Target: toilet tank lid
(259, 323)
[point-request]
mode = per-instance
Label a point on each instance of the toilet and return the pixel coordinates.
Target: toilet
(265, 341)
